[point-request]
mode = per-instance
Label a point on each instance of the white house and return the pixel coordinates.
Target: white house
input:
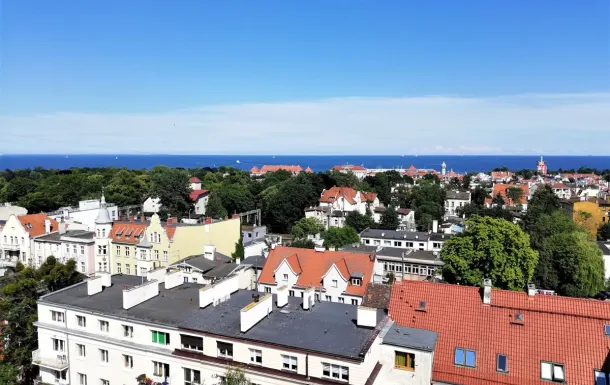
(337, 202)
(17, 235)
(65, 245)
(416, 240)
(112, 329)
(605, 248)
(454, 201)
(103, 241)
(151, 205)
(86, 213)
(359, 171)
(561, 190)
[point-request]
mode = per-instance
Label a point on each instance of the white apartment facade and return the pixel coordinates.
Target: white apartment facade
(65, 245)
(86, 213)
(337, 202)
(81, 344)
(454, 201)
(17, 236)
(415, 240)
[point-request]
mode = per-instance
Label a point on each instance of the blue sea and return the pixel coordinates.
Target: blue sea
(459, 163)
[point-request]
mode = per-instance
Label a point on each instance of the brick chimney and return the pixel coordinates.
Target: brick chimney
(226, 217)
(172, 220)
(235, 216)
(208, 220)
(132, 219)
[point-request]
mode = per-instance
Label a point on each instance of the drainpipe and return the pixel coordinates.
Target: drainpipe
(307, 366)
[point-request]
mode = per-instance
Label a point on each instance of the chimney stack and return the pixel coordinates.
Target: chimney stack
(309, 298)
(106, 278)
(218, 292)
(94, 285)
(209, 251)
(487, 291)
(62, 226)
(254, 312)
(137, 294)
(366, 317)
(531, 289)
(282, 296)
(435, 226)
(47, 226)
(208, 220)
(173, 278)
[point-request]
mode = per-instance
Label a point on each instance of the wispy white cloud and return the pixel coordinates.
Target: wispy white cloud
(518, 124)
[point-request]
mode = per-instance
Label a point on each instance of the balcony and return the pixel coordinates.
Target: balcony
(11, 246)
(56, 362)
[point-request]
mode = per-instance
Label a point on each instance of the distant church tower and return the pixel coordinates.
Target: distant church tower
(443, 169)
(541, 167)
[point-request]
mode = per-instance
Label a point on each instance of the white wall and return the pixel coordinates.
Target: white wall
(422, 375)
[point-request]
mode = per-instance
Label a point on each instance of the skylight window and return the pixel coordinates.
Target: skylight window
(502, 363)
(464, 357)
(552, 372)
(519, 317)
(607, 330)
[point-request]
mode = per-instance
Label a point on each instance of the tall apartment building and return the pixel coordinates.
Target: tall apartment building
(112, 329)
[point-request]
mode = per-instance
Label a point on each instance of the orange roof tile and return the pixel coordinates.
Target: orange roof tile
(125, 232)
(34, 224)
(194, 180)
(196, 194)
(272, 168)
(562, 330)
(500, 188)
(314, 265)
(294, 263)
(349, 167)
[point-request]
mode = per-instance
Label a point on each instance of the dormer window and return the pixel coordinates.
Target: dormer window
(285, 277)
(334, 283)
(356, 281)
(552, 372)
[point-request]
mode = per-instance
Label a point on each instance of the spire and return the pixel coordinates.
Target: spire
(103, 216)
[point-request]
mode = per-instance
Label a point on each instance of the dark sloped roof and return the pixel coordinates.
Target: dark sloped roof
(377, 296)
(221, 271)
(202, 263)
(604, 246)
(461, 195)
(257, 261)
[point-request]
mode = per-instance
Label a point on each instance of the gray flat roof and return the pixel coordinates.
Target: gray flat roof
(393, 234)
(604, 246)
(168, 308)
(330, 328)
(392, 252)
(461, 195)
(202, 263)
(56, 236)
(257, 261)
(405, 337)
(221, 271)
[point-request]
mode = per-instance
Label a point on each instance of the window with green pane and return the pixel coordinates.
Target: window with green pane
(403, 360)
(160, 338)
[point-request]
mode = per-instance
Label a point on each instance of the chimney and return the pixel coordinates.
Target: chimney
(106, 278)
(157, 274)
(366, 317)
(47, 226)
(235, 216)
(137, 294)
(282, 296)
(132, 219)
(531, 289)
(218, 292)
(309, 298)
(208, 220)
(226, 217)
(254, 312)
(173, 278)
(142, 218)
(487, 291)
(171, 220)
(209, 251)
(62, 226)
(435, 226)
(237, 260)
(94, 285)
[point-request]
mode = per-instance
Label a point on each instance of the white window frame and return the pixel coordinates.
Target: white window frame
(127, 361)
(557, 371)
(82, 379)
(335, 372)
(224, 354)
(289, 363)
(190, 379)
(58, 316)
(81, 349)
(256, 357)
(127, 331)
(104, 326)
(104, 356)
(59, 345)
(81, 321)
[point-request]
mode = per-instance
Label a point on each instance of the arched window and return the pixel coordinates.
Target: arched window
(103, 233)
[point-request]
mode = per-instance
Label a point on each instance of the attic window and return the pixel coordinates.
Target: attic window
(422, 306)
(607, 330)
(356, 281)
(28, 225)
(519, 317)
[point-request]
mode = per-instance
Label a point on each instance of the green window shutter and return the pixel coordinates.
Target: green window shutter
(400, 359)
(154, 335)
(162, 338)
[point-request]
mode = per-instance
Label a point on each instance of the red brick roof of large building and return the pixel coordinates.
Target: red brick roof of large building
(349, 167)
(349, 194)
(271, 168)
(195, 194)
(311, 265)
(34, 224)
(561, 330)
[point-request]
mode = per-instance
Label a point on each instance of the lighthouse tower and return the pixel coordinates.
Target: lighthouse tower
(443, 169)
(541, 167)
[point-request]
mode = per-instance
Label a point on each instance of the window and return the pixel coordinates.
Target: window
(403, 360)
(104, 326)
(82, 379)
(334, 283)
(104, 356)
(82, 267)
(118, 268)
(354, 302)
(82, 250)
(367, 241)
(607, 330)
(328, 298)
(58, 345)
(267, 290)
(67, 249)
(224, 350)
(126, 251)
(80, 348)
(128, 361)
(81, 321)
(291, 293)
(60, 375)
(58, 316)
(335, 371)
(156, 252)
(127, 269)
(192, 377)
(397, 243)
(118, 251)
(285, 277)
(165, 256)
(256, 356)
(104, 382)
(127, 331)
(160, 338)
(465, 357)
(160, 369)
(552, 372)
(601, 378)
(191, 342)
(502, 363)
(74, 249)
(356, 281)
(289, 362)
(341, 300)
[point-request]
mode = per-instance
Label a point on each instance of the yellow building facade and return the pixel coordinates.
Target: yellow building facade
(597, 208)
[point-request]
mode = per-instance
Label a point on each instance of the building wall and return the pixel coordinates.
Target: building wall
(190, 240)
(598, 215)
(200, 205)
(151, 205)
(17, 247)
(389, 375)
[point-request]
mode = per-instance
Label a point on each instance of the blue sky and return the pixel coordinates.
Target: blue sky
(316, 76)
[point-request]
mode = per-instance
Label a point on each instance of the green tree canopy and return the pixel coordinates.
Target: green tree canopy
(239, 249)
(428, 201)
(603, 232)
(489, 248)
(214, 208)
(234, 376)
(340, 236)
(389, 219)
(359, 221)
(172, 186)
(306, 227)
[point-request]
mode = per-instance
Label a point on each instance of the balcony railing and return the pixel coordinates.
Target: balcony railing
(11, 246)
(56, 362)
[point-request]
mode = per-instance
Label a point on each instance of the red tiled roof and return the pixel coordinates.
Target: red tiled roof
(314, 265)
(128, 232)
(334, 193)
(254, 169)
(197, 193)
(403, 211)
(270, 168)
(194, 180)
(560, 185)
(500, 188)
(34, 224)
(308, 170)
(412, 168)
(496, 175)
(562, 330)
(294, 263)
